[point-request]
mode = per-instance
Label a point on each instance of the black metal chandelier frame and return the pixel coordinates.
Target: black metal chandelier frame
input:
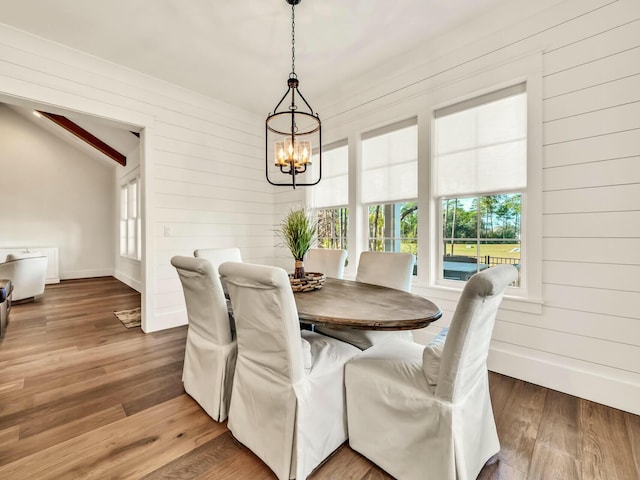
(291, 118)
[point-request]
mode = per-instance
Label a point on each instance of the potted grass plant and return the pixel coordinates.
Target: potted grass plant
(298, 231)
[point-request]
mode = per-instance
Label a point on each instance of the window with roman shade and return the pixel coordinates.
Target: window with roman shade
(481, 144)
(390, 163)
(330, 197)
(480, 153)
(389, 186)
(333, 190)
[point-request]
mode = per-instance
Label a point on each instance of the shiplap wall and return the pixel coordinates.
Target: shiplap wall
(591, 213)
(202, 162)
(585, 337)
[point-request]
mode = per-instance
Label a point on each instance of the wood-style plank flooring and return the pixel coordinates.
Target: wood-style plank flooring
(81, 396)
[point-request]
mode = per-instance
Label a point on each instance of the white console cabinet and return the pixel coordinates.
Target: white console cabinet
(51, 253)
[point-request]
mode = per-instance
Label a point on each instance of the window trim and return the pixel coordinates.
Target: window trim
(525, 71)
(478, 192)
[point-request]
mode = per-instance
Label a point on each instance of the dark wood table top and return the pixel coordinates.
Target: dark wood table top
(345, 303)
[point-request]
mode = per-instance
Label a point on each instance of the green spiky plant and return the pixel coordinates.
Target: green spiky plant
(298, 231)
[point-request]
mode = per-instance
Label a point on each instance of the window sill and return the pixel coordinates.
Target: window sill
(449, 293)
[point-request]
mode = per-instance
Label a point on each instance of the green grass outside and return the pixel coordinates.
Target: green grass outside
(503, 250)
(493, 249)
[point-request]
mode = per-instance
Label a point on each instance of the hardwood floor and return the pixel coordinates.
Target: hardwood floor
(81, 396)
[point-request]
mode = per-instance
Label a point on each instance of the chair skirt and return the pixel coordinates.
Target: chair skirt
(301, 424)
(397, 422)
(207, 374)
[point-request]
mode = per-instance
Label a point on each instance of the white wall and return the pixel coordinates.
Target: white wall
(584, 337)
(55, 196)
(201, 163)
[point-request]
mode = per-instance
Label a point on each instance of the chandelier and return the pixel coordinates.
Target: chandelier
(293, 132)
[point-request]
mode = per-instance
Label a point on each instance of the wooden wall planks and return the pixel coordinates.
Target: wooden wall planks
(604, 147)
(598, 173)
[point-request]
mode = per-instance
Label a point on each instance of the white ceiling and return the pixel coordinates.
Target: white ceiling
(240, 51)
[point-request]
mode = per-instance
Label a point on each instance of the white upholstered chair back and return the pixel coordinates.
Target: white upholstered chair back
(464, 358)
(204, 298)
(210, 351)
(267, 325)
(329, 261)
(388, 269)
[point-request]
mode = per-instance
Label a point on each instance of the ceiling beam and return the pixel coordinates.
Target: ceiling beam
(86, 137)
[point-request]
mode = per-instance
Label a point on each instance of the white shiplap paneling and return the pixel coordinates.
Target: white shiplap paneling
(619, 118)
(599, 249)
(619, 171)
(604, 276)
(604, 71)
(591, 99)
(616, 198)
(590, 149)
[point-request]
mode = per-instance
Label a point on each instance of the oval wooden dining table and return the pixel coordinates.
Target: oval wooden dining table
(346, 303)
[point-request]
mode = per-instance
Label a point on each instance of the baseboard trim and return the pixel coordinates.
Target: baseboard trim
(613, 392)
(163, 321)
(127, 280)
(73, 274)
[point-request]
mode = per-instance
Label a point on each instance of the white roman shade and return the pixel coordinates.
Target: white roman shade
(481, 144)
(333, 189)
(390, 163)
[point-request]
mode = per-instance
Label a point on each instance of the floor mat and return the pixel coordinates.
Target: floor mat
(129, 318)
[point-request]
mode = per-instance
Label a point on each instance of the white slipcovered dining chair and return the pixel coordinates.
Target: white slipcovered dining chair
(329, 261)
(287, 404)
(418, 416)
(210, 352)
(27, 272)
(387, 269)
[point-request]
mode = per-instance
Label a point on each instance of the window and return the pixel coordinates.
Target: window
(393, 227)
(331, 196)
(480, 232)
(130, 224)
(332, 227)
(481, 178)
(390, 188)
